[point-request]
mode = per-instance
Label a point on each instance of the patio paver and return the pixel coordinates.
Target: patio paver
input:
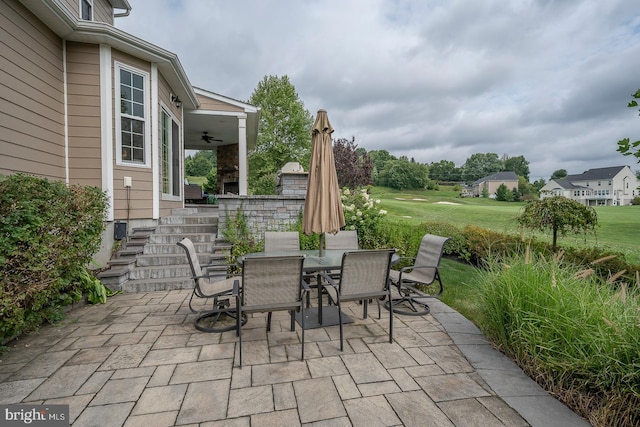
(137, 360)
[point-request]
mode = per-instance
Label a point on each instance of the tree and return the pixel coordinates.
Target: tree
(200, 164)
(480, 165)
(626, 147)
(353, 165)
(444, 171)
(519, 165)
(525, 189)
(402, 174)
(539, 183)
(501, 193)
(284, 132)
(559, 215)
(559, 174)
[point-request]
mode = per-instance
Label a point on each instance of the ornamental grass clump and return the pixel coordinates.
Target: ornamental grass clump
(571, 331)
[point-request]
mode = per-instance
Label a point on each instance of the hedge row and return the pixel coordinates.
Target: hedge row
(477, 245)
(49, 233)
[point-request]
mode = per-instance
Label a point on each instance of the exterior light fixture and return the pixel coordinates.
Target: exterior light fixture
(176, 101)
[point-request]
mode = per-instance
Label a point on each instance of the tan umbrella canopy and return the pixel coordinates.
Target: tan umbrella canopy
(322, 206)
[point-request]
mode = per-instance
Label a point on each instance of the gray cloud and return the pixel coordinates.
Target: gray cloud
(428, 79)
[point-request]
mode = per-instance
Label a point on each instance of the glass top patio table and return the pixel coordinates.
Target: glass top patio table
(330, 260)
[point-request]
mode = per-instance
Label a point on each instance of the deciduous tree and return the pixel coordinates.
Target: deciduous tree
(284, 133)
(353, 165)
(519, 165)
(625, 146)
(559, 215)
(480, 165)
(559, 174)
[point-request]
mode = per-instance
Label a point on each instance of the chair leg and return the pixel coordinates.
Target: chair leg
(239, 331)
(293, 320)
(302, 328)
(340, 322)
(390, 319)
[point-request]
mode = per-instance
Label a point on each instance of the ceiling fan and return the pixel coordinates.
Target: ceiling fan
(208, 139)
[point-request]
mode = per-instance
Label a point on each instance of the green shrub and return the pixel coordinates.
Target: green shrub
(48, 234)
(363, 214)
(570, 330)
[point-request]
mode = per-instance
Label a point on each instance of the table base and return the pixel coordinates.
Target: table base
(329, 317)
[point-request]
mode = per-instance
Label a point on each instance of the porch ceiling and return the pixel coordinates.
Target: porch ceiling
(219, 125)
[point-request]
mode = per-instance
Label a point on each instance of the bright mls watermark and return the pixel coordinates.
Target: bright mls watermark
(34, 415)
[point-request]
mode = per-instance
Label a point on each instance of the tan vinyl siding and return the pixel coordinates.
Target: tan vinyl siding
(212, 104)
(141, 195)
(73, 6)
(31, 95)
(83, 98)
(102, 11)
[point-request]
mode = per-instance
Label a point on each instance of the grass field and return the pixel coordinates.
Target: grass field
(619, 226)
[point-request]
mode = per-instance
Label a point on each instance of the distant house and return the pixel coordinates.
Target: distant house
(612, 186)
(492, 182)
(86, 103)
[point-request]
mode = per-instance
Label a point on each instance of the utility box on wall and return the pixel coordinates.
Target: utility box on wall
(119, 230)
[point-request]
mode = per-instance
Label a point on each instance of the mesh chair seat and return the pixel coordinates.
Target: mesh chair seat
(364, 275)
(270, 283)
(419, 281)
(281, 241)
(205, 287)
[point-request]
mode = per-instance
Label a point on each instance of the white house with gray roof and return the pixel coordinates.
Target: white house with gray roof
(612, 186)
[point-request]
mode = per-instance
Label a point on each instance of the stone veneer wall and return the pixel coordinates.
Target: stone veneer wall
(227, 158)
(263, 213)
(292, 183)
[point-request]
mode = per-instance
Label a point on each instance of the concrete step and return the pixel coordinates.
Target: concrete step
(192, 219)
(113, 278)
(186, 229)
(148, 260)
(165, 284)
(175, 238)
(153, 285)
(173, 248)
(164, 272)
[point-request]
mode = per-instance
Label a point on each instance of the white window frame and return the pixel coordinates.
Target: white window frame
(164, 109)
(146, 119)
(90, 3)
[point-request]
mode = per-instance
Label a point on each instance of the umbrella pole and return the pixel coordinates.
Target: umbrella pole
(320, 251)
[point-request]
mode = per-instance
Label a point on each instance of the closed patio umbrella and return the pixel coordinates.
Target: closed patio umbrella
(322, 206)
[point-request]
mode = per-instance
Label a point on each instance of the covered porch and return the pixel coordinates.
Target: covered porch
(228, 126)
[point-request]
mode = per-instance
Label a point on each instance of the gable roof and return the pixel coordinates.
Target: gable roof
(566, 184)
(598, 173)
(499, 176)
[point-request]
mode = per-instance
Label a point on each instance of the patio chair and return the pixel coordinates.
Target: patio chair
(364, 275)
(205, 287)
(343, 239)
(281, 241)
(419, 281)
(270, 283)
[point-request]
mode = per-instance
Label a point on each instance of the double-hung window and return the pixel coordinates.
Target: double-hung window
(132, 116)
(86, 10)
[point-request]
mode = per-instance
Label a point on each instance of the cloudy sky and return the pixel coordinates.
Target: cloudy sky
(429, 79)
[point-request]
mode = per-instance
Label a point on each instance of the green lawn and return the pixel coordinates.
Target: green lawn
(619, 226)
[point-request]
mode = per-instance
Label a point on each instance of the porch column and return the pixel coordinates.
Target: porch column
(242, 155)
